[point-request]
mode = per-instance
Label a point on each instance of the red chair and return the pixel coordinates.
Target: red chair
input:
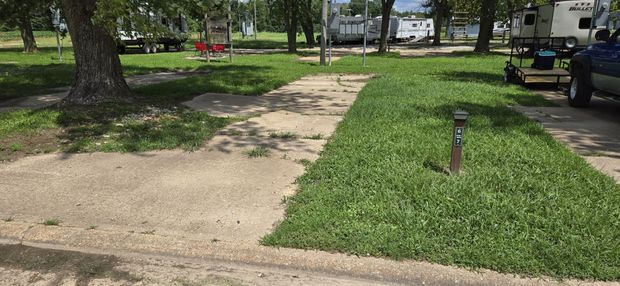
(216, 48)
(200, 46)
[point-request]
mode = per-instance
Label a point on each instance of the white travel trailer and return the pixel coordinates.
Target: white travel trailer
(567, 22)
(174, 35)
(412, 28)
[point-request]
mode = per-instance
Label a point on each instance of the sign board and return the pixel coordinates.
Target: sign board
(458, 136)
(218, 32)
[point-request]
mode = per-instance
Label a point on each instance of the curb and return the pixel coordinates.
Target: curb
(123, 244)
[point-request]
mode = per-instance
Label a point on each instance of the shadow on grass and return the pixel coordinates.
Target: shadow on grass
(497, 80)
(19, 81)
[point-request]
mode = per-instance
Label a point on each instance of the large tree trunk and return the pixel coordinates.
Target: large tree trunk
(290, 23)
(439, 15)
(486, 26)
(386, 9)
(306, 25)
(98, 74)
(25, 28)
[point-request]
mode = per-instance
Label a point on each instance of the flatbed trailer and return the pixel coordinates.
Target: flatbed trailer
(515, 70)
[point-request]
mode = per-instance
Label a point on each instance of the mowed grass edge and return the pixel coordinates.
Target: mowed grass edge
(524, 204)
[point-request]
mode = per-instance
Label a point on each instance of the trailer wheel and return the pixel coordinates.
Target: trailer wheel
(146, 49)
(580, 92)
(154, 48)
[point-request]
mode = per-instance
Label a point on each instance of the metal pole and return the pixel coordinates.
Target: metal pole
(593, 21)
(365, 34)
(207, 38)
(323, 32)
(58, 45)
(330, 51)
(255, 27)
(230, 34)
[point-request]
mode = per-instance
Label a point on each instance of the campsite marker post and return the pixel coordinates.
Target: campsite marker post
(457, 141)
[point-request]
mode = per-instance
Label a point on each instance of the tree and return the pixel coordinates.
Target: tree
(98, 74)
(290, 12)
(441, 9)
(307, 21)
(487, 18)
(18, 14)
(386, 9)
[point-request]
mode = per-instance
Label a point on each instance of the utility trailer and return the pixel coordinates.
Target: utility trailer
(172, 33)
(567, 21)
(346, 29)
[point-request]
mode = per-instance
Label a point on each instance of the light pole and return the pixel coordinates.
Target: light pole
(365, 33)
(255, 28)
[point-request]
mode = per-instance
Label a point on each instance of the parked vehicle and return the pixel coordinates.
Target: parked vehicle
(595, 69)
(174, 34)
(566, 21)
(500, 29)
(411, 28)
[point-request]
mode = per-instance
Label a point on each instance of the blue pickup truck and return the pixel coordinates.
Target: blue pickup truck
(595, 69)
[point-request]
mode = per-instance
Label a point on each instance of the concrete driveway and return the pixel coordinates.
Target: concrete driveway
(590, 132)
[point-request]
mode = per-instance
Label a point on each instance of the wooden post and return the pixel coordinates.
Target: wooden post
(457, 141)
(206, 28)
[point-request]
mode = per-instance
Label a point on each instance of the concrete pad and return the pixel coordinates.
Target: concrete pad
(316, 59)
(590, 132)
(285, 121)
(210, 195)
(293, 149)
(223, 105)
(320, 94)
(218, 192)
(608, 165)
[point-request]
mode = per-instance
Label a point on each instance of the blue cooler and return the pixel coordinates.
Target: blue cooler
(544, 60)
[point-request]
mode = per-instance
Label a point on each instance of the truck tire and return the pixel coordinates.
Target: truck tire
(580, 91)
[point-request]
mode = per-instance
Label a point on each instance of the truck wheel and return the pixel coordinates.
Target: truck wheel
(580, 92)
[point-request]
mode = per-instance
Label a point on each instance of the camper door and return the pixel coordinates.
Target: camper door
(528, 24)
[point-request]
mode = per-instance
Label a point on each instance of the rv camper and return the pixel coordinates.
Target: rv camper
(411, 28)
(174, 35)
(564, 23)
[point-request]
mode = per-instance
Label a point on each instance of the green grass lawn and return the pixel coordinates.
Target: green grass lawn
(524, 204)
(30, 74)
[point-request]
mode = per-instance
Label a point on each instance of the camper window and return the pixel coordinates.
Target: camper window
(428, 25)
(529, 19)
(584, 23)
(415, 25)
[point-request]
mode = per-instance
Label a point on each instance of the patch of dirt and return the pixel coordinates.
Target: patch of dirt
(18, 146)
(63, 264)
